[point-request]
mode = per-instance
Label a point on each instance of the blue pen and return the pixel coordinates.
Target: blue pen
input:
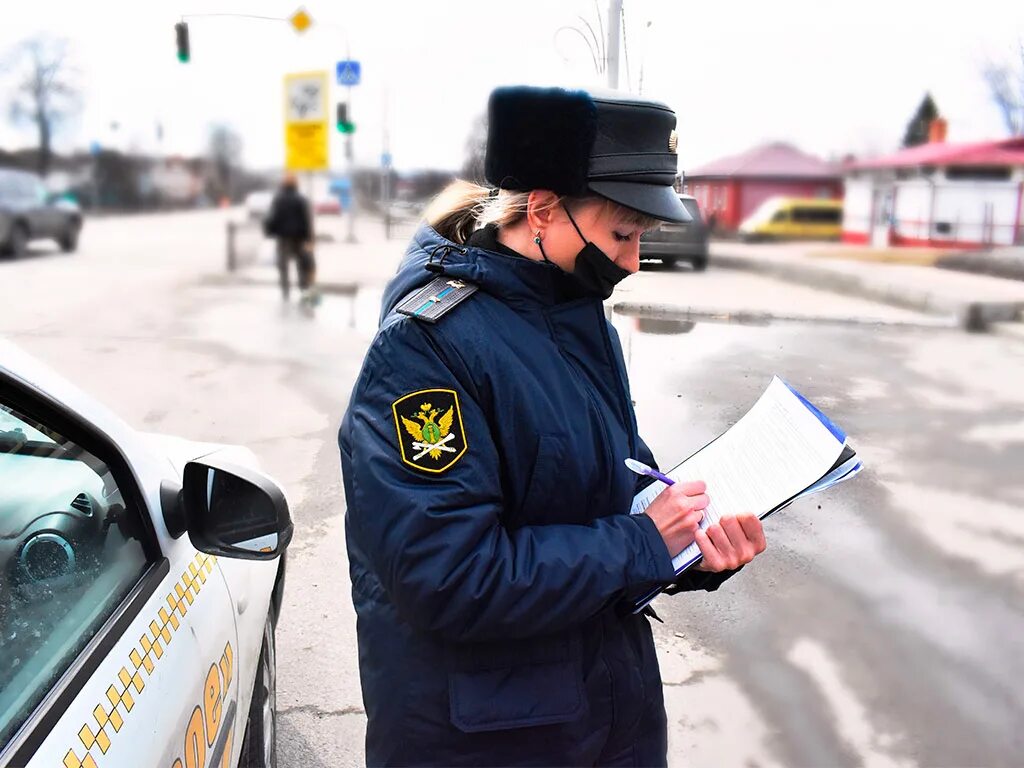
(642, 469)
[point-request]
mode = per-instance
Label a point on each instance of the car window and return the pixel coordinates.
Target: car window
(691, 208)
(817, 215)
(70, 551)
(39, 192)
(7, 188)
(22, 187)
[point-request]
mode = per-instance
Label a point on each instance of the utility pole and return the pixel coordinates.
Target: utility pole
(351, 157)
(614, 35)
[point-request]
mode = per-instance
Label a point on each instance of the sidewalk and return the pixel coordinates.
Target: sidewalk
(341, 266)
(975, 301)
(864, 292)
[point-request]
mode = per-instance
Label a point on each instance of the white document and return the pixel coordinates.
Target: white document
(777, 450)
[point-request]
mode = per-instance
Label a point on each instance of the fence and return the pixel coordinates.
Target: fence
(401, 222)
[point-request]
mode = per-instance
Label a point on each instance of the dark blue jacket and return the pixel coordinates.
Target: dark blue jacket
(489, 595)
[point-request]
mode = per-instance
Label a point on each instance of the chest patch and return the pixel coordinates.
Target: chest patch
(429, 426)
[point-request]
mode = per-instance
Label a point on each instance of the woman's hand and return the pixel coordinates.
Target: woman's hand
(731, 542)
(677, 512)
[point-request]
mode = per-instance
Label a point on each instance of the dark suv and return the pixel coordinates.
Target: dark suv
(672, 242)
(28, 212)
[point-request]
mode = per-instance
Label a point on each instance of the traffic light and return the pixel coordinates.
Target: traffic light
(344, 125)
(181, 34)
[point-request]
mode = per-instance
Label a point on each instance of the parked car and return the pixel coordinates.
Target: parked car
(791, 218)
(673, 242)
(326, 204)
(28, 212)
(125, 642)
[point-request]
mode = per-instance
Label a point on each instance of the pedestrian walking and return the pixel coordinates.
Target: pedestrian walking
(494, 564)
(291, 224)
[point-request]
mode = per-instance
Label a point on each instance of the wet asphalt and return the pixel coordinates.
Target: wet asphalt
(925, 638)
(883, 626)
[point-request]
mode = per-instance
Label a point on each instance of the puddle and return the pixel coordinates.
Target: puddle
(355, 308)
(662, 340)
(663, 327)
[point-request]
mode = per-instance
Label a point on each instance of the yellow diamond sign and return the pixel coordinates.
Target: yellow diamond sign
(301, 20)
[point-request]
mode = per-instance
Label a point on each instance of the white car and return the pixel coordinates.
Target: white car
(141, 577)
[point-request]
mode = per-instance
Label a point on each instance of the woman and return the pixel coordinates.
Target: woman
(492, 554)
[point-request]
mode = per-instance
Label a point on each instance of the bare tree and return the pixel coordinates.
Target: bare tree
(476, 151)
(45, 92)
(225, 152)
(1006, 84)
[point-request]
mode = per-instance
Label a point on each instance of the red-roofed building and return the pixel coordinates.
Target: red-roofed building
(733, 187)
(938, 194)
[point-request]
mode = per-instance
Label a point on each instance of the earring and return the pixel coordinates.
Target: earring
(536, 238)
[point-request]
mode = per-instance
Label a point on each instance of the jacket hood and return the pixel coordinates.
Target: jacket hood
(515, 279)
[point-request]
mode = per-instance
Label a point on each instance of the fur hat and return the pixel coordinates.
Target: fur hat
(540, 138)
(576, 143)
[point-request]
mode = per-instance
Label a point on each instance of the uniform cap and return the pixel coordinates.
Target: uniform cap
(574, 143)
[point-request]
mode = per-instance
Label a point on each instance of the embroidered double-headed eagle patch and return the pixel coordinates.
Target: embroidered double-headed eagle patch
(429, 424)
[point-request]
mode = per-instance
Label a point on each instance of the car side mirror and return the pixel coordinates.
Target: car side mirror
(233, 511)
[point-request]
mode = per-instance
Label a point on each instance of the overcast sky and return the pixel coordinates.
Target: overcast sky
(831, 77)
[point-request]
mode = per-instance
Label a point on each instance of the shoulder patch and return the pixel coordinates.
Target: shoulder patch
(436, 299)
(429, 426)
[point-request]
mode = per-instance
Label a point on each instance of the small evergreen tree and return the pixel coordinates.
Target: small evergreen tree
(917, 128)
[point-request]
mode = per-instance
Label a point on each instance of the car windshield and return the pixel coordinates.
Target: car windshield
(766, 210)
(7, 186)
(12, 429)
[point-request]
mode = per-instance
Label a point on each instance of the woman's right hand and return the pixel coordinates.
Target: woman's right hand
(677, 512)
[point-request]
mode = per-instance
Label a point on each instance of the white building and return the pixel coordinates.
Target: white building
(938, 194)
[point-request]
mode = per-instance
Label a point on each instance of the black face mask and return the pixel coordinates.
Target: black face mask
(598, 274)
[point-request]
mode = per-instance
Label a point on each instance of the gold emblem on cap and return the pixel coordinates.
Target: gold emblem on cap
(673, 141)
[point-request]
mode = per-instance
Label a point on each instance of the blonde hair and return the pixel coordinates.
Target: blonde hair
(463, 207)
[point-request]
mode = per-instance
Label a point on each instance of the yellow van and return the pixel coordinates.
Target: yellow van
(784, 218)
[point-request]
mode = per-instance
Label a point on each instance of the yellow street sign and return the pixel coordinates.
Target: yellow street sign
(301, 20)
(305, 121)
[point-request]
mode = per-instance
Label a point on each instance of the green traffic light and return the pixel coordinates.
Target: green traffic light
(346, 127)
(181, 38)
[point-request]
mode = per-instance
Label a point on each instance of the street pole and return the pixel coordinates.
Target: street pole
(350, 154)
(614, 33)
(385, 167)
(643, 57)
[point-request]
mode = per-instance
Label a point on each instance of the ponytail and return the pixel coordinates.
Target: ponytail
(456, 209)
(462, 207)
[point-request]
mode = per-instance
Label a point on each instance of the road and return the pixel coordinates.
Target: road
(883, 624)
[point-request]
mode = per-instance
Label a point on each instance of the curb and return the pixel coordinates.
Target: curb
(1008, 330)
(970, 315)
(749, 317)
(330, 288)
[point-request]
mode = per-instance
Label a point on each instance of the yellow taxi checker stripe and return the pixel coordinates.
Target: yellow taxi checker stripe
(87, 737)
(71, 760)
(151, 644)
